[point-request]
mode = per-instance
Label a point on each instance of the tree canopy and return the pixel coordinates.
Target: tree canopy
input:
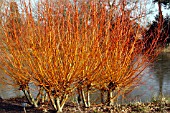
(166, 3)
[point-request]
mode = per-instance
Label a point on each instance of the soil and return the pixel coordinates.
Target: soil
(14, 105)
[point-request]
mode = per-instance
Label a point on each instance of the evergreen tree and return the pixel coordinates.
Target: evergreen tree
(166, 3)
(164, 33)
(159, 27)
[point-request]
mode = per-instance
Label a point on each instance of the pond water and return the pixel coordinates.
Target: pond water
(156, 81)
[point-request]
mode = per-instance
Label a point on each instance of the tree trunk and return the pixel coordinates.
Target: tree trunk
(63, 100)
(110, 98)
(27, 96)
(52, 99)
(102, 96)
(160, 20)
(43, 96)
(84, 98)
(30, 98)
(88, 98)
(59, 108)
(58, 102)
(79, 96)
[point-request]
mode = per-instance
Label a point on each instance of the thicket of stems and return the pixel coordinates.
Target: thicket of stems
(90, 46)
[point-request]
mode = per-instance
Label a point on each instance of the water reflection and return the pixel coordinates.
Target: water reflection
(162, 73)
(156, 81)
(6, 90)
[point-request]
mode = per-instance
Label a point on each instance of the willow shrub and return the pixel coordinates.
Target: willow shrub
(76, 47)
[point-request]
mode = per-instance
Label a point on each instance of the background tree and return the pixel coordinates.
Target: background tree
(154, 32)
(166, 3)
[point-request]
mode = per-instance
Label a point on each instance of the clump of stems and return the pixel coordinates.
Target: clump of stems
(94, 45)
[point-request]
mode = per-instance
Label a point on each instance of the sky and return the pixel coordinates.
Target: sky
(150, 6)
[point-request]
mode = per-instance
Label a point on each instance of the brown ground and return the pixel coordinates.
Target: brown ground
(14, 105)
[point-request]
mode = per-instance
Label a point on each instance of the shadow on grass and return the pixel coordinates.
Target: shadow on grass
(14, 106)
(9, 107)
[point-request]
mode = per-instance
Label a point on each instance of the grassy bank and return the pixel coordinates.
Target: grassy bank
(166, 49)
